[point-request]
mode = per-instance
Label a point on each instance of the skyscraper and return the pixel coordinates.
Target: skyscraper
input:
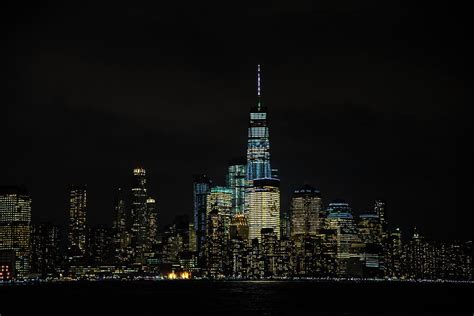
(258, 147)
(45, 256)
(263, 203)
(379, 209)
(215, 244)
(15, 219)
(120, 238)
(236, 181)
(99, 245)
(152, 223)
(220, 199)
(201, 187)
(306, 207)
(139, 213)
(77, 221)
(341, 221)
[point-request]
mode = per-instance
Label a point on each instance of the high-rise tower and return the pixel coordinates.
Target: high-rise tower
(306, 208)
(237, 182)
(201, 187)
(15, 220)
(139, 213)
(258, 146)
(77, 221)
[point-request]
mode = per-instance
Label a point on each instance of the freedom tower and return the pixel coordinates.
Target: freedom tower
(258, 146)
(262, 196)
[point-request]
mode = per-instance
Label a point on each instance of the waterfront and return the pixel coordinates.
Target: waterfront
(199, 297)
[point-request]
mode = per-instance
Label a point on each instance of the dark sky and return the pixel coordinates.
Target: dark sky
(365, 100)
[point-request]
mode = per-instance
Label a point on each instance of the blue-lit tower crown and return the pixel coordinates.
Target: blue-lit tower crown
(258, 148)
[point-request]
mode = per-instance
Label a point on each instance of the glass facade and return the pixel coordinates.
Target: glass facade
(263, 203)
(220, 199)
(258, 146)
(236, 181)
(201, 187)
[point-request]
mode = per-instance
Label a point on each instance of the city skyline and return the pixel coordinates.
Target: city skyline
(238, 231)
(372, 100)
(239, 158)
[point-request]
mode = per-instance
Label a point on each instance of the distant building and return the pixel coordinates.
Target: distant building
(239, 227)
(379, 208)
(306, 207)
(100, 245)
(152, 224)
(120, 237)
(220, 199)
(138, 214)
(348, 246)
(7, 265)
(201, 187)
(263, 200)
(77, 222)
(236, 181)
(215, 245)
(258, 146)
(15, 231)
(370, 235)
(45, 254)
(393, 255)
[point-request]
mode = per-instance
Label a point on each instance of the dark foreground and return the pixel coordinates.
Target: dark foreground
(237, 298)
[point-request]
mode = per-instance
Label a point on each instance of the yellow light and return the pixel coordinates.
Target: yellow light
(172, 276)
(185, 275)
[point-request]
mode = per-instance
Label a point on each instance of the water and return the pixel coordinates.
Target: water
(237, 298)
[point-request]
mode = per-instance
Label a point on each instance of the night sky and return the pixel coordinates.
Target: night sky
(365, 101)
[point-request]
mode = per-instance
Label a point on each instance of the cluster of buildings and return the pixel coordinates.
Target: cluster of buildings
(238, 231)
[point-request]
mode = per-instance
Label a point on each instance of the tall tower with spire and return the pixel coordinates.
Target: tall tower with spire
(258, 146)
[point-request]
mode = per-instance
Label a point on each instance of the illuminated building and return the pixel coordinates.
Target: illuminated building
(178, 244)
(379, 208)
(7, 265)
(393, 253)
(285, 258)
(309, 256)
(285, 223)
(236, 181)
(139, 213)
(370, 234)
(239, 227)
(215, 245)
(306, 207)
(370, 229)
(121, 236)
(99, 245)
(420, 258)
(220, 199)
(263, 203)
(45, 256)
(263, 200)
(201, 187)
(346, 239)
(151, 223)
(77, 222)
(454, 260)
(269, 249)
(238, 258)
(15, 232)
(255, 260)
(258, 147)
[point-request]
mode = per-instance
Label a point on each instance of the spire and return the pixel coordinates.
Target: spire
(258, 81)
(258, 87)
